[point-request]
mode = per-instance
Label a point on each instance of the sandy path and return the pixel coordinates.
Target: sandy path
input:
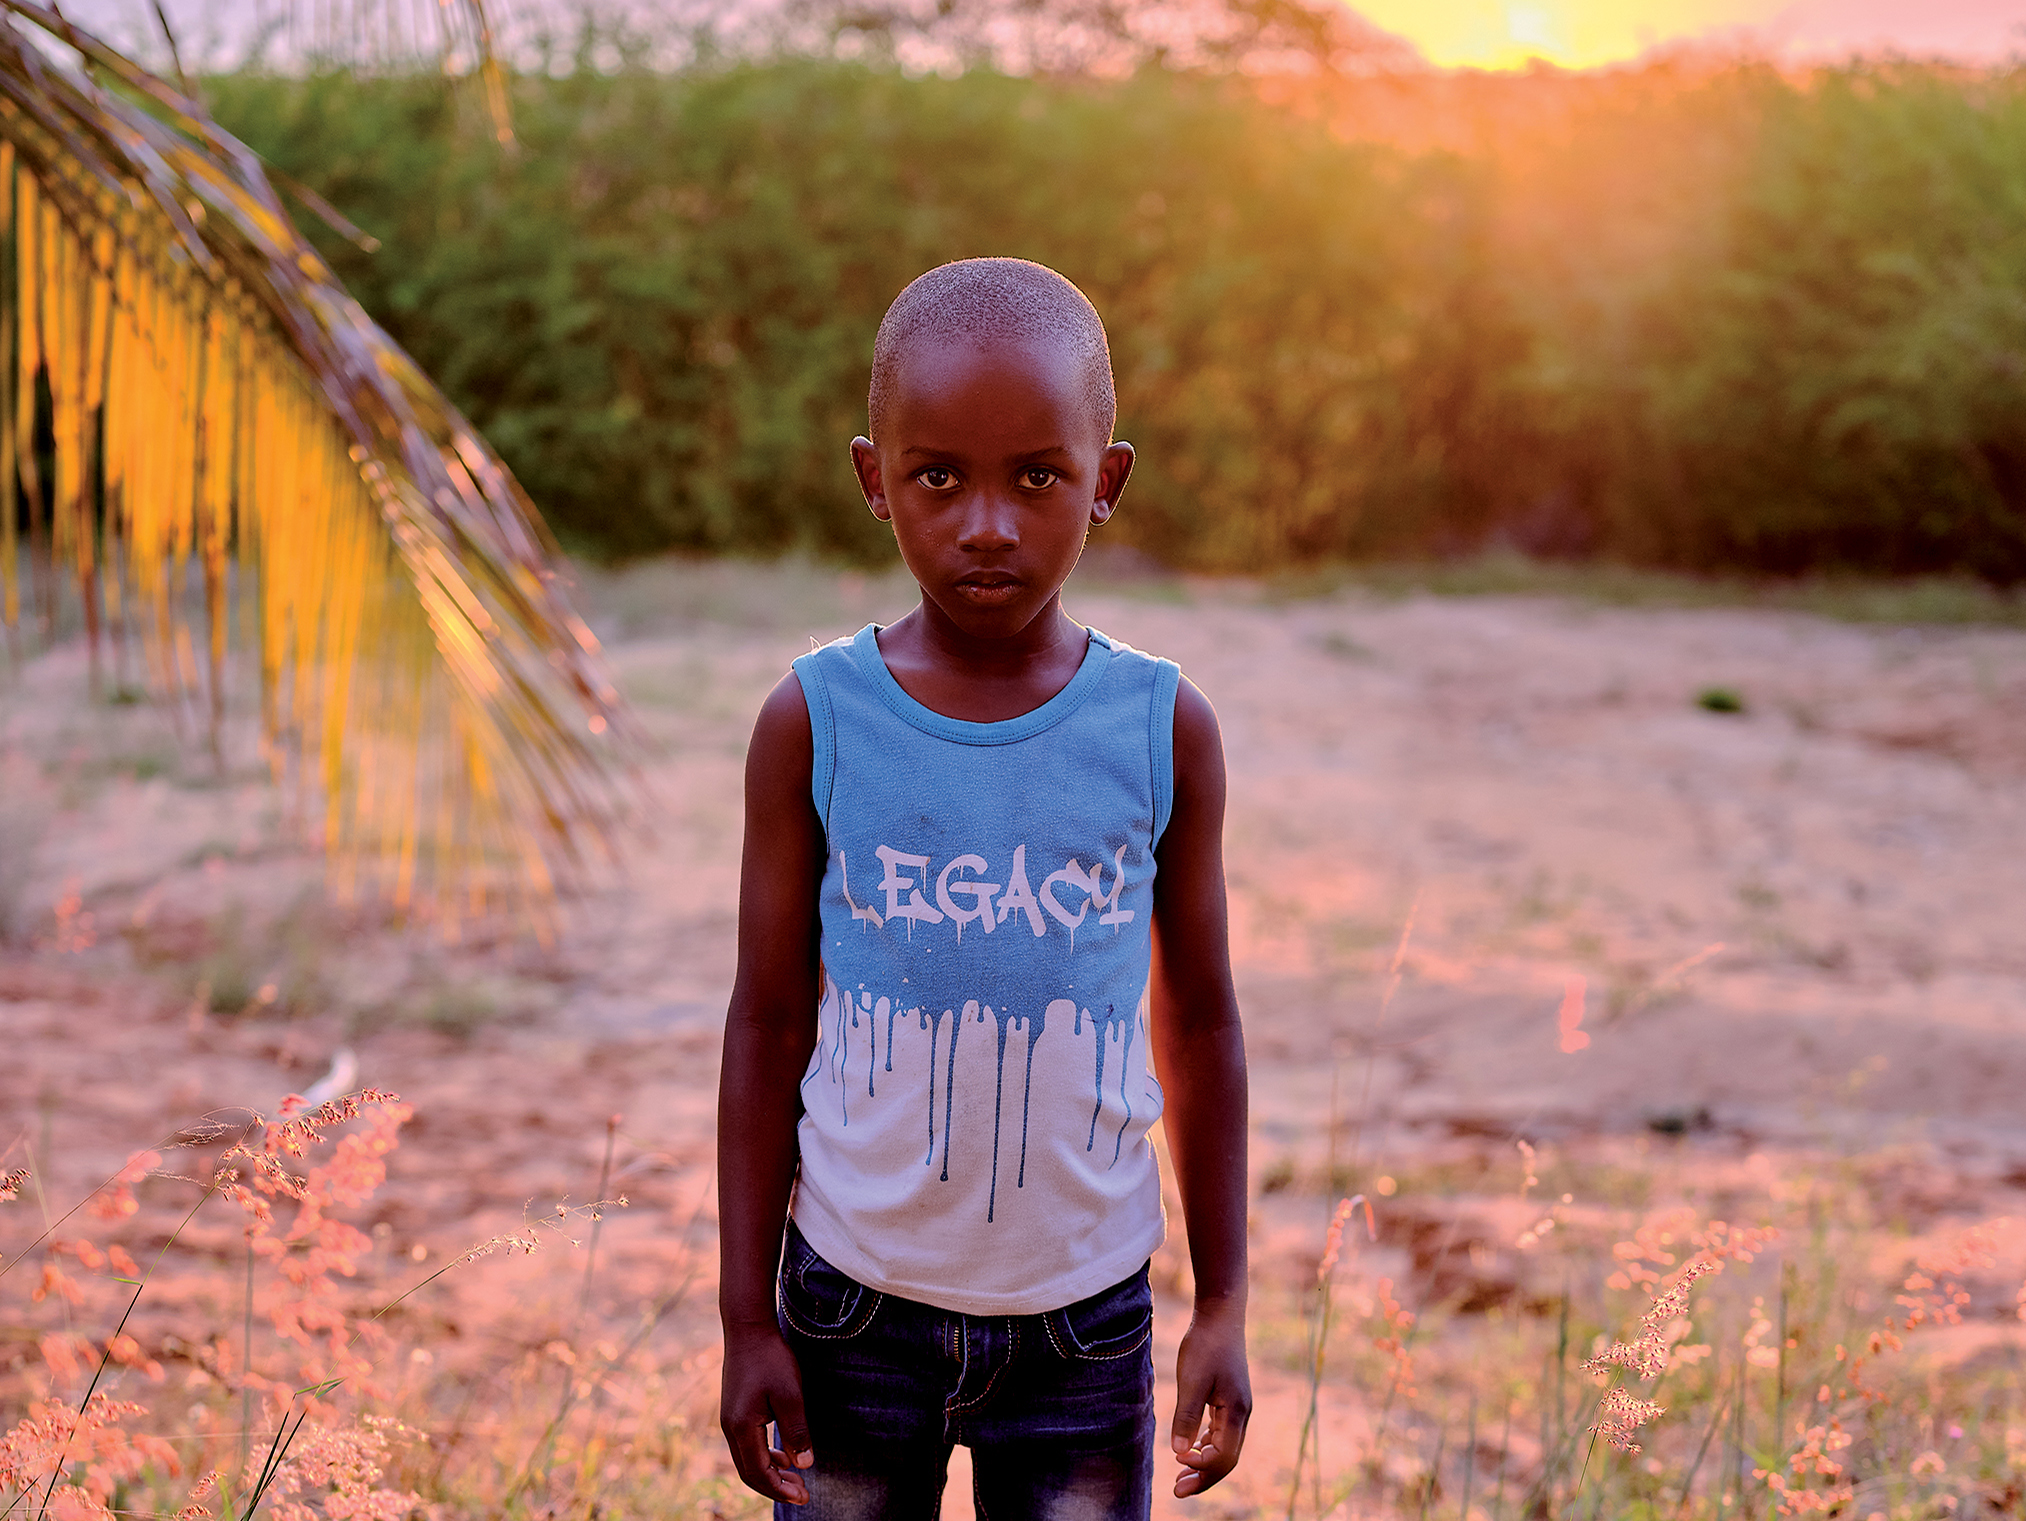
(1531, 778)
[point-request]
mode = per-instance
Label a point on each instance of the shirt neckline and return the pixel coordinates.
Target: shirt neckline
(1004, 731)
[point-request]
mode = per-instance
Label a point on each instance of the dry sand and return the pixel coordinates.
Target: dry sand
(1842, 867)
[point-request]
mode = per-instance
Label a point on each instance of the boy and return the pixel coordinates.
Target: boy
(982, 815)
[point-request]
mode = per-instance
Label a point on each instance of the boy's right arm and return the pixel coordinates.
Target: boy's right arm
(770, 1032)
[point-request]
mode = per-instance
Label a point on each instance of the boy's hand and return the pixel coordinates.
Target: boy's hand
(762, 1384)
(1210, 1375)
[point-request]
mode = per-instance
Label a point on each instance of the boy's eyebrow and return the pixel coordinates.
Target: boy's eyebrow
(924, 449)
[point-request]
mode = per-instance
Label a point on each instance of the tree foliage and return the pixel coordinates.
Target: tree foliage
(1706, 316)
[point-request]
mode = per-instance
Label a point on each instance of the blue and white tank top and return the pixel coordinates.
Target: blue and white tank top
(975, 1116)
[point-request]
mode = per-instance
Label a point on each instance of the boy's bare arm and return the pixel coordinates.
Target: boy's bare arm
(770, 1031)
(1199, 1057)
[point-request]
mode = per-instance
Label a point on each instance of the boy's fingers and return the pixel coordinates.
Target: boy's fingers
(791, 1425)
(1189, 1436)
(1227, 1431)
(749, 1455)
(767, 1470)
(1203, 1465)
(1211, 1454)
(793, 1451)
(788, 1484)
(1188, 1425)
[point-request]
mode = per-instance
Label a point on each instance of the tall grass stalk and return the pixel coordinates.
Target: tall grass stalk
(1309, 1443)
(245, 1364)
(1716, 1421)
(543, 1448)
(1729, 1485)
(1395, 971)
(1469, 1456)
(1779, 1453)
(1551, 1465)
(1433, 1478)
(1504, 1453)
(597, 1227)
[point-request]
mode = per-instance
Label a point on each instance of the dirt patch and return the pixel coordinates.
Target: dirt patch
(1791, 930)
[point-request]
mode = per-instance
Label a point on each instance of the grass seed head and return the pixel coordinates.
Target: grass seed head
(1620, 1414)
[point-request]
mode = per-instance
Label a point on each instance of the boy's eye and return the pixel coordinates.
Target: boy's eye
(1039, 477)
(937, 477)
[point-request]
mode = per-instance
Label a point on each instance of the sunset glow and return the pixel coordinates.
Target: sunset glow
(1499, 34)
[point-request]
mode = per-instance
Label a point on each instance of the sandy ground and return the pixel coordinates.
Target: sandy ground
(1793, 930)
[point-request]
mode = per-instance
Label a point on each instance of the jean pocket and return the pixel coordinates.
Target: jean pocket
(818, 1300)
(1112, 1323)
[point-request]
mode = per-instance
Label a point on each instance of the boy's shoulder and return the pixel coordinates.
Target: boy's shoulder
(1123, 651)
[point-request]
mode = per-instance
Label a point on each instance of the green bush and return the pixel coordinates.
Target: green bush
(1845, 383)
(1706, 319)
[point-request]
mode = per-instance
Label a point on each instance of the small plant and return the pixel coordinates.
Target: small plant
(97, 1439)
(1720, 700)
(1620, 1413)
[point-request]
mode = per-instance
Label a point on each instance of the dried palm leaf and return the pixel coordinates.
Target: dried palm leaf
(191, 403)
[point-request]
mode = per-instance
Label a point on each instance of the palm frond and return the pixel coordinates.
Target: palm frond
(191, 403)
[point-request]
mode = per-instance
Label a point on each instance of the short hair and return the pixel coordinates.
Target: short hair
(992, 301)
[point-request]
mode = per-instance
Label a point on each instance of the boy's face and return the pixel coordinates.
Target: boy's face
(991, 467)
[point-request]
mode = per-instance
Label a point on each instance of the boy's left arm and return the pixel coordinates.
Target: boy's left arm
(1199, 1057)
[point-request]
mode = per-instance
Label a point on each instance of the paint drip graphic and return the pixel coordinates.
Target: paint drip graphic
(834, 1059)
(1036, 1024)
(1120, 1026)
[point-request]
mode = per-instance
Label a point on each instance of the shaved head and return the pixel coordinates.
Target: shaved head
(989, 302)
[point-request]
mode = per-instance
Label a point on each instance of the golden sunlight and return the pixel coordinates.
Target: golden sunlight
(1577, 34)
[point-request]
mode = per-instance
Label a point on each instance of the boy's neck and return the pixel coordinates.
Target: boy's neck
(983, 680)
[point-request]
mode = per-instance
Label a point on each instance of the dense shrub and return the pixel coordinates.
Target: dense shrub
(1845, 382)
(1702, 318)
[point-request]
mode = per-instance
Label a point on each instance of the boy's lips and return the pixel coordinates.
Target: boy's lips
(990, 586)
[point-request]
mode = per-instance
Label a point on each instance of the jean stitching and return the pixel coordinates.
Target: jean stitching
(855, 1325)
(1106, 1357)
(959, 1337)
(1048, 1325)
(984, 1393)
(1080, 1355)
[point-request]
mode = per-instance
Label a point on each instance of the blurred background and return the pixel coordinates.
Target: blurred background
(1583, 457)
(1716, 285)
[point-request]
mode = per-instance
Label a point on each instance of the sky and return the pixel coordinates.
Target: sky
(1448, 33)
(1587, 33)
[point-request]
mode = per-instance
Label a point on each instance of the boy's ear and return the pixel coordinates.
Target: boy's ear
(1112, 472)
(865, 465)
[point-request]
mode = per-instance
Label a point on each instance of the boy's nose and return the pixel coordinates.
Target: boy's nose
(990, 523)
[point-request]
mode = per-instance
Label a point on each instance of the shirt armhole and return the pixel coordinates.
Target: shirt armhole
(822, 735)
(1161, 740)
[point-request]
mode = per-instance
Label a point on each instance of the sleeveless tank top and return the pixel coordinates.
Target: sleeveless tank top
(975, 1115)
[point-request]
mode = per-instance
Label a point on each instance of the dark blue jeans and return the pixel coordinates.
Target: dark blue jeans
(1057, 1409)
